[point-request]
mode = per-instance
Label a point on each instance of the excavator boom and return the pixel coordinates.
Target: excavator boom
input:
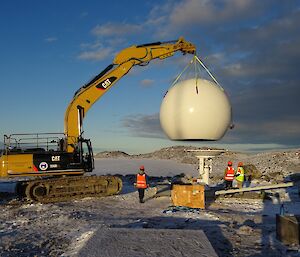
(49, 155)
(87, 95)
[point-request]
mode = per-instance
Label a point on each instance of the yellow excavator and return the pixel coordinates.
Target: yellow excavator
(59, 161)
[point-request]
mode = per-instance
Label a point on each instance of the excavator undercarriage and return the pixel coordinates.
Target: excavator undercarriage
(59, 175)
(49, 190)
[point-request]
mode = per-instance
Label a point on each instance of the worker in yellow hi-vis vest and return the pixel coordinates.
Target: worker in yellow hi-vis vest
(240, 175)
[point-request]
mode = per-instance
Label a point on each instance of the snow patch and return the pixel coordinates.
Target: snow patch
(79, 243)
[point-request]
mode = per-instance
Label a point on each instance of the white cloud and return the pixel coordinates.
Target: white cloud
(143, 125)
(288, 126)
(84, 14)
(181, 16)
(94, 45)
(204, 11)
(96, 55)
(50, 39)
(275, 131)
(147, 82)
(116, 29)
(111, 34)
(278, 132)
(235, 69)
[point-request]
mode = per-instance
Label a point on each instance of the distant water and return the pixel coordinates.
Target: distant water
(127, 166)
(152, 167)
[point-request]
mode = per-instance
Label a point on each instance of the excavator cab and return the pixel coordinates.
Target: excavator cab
(86, 155)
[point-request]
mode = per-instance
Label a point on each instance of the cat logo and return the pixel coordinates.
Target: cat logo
(43, 166)
(55, 158)
(106, 83)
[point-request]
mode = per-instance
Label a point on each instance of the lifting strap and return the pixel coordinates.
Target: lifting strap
(195, 60)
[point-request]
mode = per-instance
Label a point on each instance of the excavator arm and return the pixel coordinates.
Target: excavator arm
(87, 95)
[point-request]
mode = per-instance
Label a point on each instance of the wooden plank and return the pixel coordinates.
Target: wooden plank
(248, 189)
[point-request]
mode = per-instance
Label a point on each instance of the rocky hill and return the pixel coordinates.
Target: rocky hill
(112, 154)
(177, 153)
(269, 166)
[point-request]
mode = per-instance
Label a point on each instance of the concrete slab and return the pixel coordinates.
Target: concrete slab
(123, 242)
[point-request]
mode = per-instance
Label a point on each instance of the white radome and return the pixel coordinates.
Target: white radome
(195, 110)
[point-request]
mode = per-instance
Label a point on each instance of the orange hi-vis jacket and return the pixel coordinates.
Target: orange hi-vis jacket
(229, 173)
(141, 181)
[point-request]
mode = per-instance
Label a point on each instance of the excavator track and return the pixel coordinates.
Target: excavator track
(63, 189)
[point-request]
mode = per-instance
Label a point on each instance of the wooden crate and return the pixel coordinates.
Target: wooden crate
(288, 229)
(188, 195)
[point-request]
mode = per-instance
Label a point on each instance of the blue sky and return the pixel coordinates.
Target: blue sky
(49, 49)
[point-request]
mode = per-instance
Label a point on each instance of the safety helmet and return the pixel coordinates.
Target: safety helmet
(240, 164)
(229, 163)
(142, 167)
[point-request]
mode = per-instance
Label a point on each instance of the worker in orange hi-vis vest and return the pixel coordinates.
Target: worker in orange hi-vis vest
(141, 183)
(229, 175)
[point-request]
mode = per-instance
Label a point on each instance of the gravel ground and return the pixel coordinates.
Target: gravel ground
(234, 226)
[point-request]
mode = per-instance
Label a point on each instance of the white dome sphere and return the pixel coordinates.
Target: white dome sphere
(195, 110)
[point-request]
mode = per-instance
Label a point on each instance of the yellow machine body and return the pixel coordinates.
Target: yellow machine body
(18, 164)
(49, 155)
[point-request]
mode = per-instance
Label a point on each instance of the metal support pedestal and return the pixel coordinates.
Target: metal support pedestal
(205, 158)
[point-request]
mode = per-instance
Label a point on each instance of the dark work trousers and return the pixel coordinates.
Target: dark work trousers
(228, 184)
(141, 194)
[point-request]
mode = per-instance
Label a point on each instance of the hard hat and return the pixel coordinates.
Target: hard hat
(240, 164)
(229, 163)
(142, 167)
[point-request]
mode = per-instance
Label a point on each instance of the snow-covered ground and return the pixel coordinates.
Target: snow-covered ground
(234, 227)
(125, 167)
(153, 167)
